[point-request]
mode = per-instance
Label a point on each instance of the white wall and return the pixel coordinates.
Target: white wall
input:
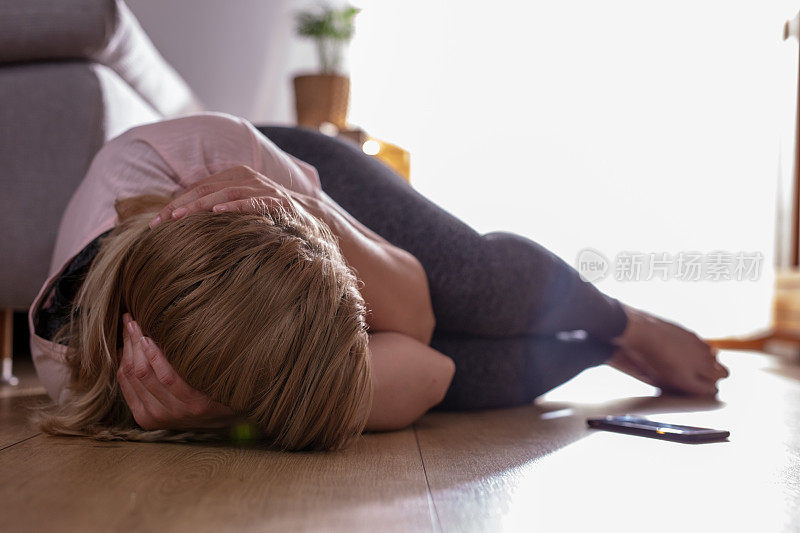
(622, 125)
(238, 56)
(617, 125)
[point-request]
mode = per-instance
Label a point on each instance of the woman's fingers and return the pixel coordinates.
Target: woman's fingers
(691, 381)
(133, 401)
(154, 372)
(253, 205)
(126, 366)
(146, 375)
(699, 380)
(205, 203)
(185, 407)
(713, 371)
(239, 175)
(202, 199)
(190, 195)
(707, 371)
(147, 410)
(703, 386)
(189, 203)
(155, 392)
(707, 365)
(166, 379)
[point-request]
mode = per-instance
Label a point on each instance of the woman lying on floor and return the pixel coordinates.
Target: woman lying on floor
(203, 275)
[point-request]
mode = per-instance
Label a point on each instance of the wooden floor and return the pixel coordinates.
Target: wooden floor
(535, 467)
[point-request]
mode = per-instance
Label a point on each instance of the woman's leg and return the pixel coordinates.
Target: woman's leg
(497, 284)
(493, 373)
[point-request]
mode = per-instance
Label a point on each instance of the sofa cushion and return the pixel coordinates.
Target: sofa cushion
(102, 31)
(62, 113)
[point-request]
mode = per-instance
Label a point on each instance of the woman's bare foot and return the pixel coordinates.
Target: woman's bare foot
(667, 356)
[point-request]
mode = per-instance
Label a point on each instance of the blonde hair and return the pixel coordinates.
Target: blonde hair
(257, 310)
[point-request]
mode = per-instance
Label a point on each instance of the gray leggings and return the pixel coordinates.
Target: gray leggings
(499, 298)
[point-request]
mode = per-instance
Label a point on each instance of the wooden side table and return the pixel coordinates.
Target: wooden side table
(391, 154)
(785, 330)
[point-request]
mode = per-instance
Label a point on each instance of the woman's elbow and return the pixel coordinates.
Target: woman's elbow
(419, 307)
(393, 419)
(426, 325)
(442, 382)
(425, 317)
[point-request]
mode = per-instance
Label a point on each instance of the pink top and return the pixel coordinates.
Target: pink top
(161, 157)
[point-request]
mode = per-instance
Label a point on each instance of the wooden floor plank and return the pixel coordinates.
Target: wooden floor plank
(85, 486)
(17, 404)
(15, 413)
(538, 467)
(534, 467)
(70, 484)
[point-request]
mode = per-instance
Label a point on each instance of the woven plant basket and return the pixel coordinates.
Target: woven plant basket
(321, 98)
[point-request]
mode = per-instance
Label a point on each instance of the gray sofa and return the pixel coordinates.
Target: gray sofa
(73, 74)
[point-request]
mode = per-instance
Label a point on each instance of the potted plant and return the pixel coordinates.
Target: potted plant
(323, 97)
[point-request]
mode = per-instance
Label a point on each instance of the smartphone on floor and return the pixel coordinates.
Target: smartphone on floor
(637, 425)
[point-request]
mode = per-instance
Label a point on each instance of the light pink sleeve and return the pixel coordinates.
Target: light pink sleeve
(125, 166)
(197, 146)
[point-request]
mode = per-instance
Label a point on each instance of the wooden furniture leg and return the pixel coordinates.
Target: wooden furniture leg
(759, 342)
(7, 347)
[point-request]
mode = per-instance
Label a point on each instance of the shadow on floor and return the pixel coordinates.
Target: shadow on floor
(494, 441)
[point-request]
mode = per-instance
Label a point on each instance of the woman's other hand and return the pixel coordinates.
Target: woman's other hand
(239, 188)
(667, 356)
(156, 395)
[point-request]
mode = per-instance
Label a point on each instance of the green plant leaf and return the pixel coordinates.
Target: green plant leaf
(331, 28)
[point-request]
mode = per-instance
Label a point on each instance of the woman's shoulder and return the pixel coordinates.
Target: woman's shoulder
(179, 137)
(187, 148)
(183, 126)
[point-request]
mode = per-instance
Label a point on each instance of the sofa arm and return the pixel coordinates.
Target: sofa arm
(62, 113)
(99, 31)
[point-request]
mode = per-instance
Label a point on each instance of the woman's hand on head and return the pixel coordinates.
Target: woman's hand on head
(156, 395)
(239, 188)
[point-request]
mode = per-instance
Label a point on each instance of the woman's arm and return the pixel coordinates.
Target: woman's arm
(408, 378)
(395, 285)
